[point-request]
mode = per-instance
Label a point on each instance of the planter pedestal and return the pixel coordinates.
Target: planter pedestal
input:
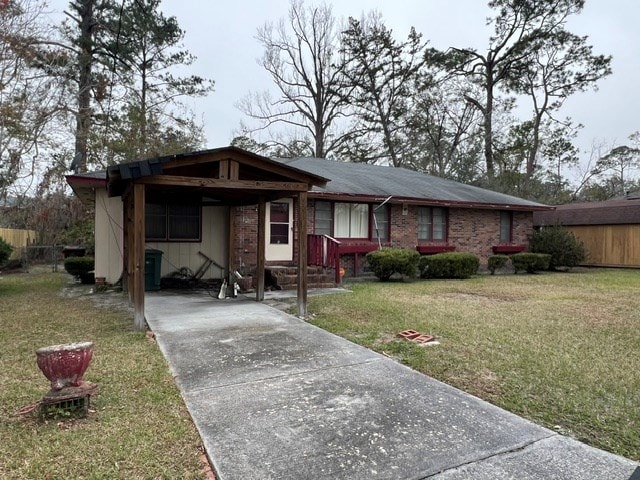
(68, 399)
(64, 367)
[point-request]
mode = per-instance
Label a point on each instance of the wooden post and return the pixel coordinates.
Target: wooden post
(302, 254)
(137, 252)
(262, 213)
(127, 211)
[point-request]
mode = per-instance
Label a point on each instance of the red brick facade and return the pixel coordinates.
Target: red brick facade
(468, 230)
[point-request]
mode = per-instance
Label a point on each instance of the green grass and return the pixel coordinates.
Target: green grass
(138, 426)
(562, 350)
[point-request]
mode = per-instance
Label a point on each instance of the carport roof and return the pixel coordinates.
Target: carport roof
(229, 175)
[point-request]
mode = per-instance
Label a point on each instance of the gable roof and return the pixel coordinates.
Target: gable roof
(609, 212)
(227, 174)
(332, 180)
(374, 182)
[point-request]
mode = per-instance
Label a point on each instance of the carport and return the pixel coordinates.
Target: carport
(225, 176)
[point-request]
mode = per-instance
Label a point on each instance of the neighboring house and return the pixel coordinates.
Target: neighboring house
(209, 202)
(610, 230)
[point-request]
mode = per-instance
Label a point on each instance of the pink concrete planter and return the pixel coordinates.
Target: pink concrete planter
(64, 365)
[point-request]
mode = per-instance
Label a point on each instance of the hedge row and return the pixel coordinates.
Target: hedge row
(526, 262)
(388, 261)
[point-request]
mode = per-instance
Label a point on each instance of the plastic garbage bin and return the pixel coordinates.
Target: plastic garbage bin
(152, 268)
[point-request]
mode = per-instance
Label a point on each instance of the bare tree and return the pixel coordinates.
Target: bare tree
(443, 133)
(30, 99)
(300, 55)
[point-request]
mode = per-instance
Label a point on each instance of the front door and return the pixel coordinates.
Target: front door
(279, 234)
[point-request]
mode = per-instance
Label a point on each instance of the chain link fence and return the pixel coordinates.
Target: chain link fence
(43, 255)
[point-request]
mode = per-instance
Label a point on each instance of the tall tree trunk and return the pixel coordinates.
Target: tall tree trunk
(488, 125)
(85, 61)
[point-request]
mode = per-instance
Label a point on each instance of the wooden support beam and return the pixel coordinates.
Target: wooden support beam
(204, 182)
(127, 263)
(223, 171)
(234, 170)
(302, 254)
(262, 213)
(137, 252)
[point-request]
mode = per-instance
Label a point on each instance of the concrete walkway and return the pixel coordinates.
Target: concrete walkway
(276, 398)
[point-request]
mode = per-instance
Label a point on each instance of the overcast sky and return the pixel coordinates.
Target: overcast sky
(222, 36)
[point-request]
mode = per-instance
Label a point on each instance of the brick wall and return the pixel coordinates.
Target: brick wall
(470, 230)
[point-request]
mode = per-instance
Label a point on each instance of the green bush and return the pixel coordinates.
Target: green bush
(449, 265)
(497, 261)
(5, 251)
(80, 267)
(563, 246)
(386, 262)
(530, 262)
(82, 233)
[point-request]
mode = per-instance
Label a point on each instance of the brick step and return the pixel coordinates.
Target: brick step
(287, 277)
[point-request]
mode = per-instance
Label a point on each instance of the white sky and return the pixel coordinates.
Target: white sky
(222, 36)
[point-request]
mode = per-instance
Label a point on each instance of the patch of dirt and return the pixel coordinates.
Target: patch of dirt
(111, 298)
(385, 338)
(484, 384)
(472, 297)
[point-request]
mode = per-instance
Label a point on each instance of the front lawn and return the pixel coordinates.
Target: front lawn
(138, 426)
(561, 349)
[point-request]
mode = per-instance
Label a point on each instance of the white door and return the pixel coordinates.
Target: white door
(279, 234)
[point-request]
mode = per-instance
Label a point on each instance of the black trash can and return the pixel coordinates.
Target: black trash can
(152, 267)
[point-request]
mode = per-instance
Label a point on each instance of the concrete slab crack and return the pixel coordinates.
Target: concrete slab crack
(284, 375)
(502, 453)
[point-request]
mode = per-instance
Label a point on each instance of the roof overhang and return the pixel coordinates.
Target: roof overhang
(344, 197)
(85, 185)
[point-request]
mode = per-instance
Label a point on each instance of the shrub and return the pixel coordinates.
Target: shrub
(82, 233)
(5, 251)
(80, 267)
(563, 246)
(449, 265)
(386, 262)
(497, 261)
(530, 262)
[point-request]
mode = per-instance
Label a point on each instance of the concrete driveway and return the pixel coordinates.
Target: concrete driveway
(276, 398)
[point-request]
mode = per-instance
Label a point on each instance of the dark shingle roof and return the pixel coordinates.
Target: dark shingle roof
(609, 212)
(378, 181)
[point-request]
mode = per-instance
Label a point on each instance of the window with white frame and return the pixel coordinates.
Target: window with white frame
(506, 227)
(381, 224)
(279, 223)
(351, 220)
(432, 224)
(323, 219)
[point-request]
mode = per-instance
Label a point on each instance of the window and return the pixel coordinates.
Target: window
(351, 220)
(324, 219)
(279, 219)
(167, 223)
(432, 224)
(381, 224)
(506, 227)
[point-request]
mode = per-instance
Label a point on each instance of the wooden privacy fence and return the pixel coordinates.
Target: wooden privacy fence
(610, 245)
(18, 239)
